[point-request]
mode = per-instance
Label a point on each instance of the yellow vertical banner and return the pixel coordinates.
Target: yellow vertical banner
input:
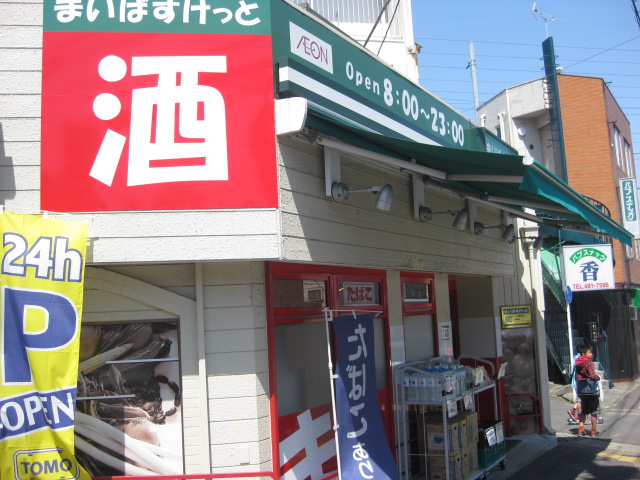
(41, 283)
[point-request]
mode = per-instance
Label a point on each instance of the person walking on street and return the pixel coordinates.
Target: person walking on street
(574, 413)
(588, 392)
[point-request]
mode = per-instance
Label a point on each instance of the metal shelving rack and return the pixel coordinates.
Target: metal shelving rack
(489, 386)
(476, 389)
(413, 397)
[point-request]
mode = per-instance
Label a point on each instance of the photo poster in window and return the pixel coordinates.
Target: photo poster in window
(129, 389)
(446, 339)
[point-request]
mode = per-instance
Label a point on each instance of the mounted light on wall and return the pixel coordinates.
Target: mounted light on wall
(531, 245)
(508, 231)
(537, 241)
(461, 220)
(425, 214)
(340, 193)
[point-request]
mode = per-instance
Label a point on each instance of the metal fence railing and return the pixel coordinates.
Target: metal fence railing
(558, 338)
(598, 339)
(356, 12)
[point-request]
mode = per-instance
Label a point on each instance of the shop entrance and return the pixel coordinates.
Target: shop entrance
(297, 297)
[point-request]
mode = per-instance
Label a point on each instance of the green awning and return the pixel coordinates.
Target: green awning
(636, 298)
(502, 178)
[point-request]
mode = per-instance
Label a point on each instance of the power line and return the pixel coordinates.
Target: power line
(502, 82)
(627, 41)
(519, 57)
(537, 45)
(488, 69)
(586, 74)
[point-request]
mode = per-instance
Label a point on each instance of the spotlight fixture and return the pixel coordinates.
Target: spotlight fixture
(508, 231)
(537, 241)
(425, 214)
(461, 220)
(340, 193)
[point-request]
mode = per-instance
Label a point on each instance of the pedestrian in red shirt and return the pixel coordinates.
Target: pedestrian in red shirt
(590, 403)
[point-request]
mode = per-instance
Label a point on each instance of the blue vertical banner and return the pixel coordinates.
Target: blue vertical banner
(363, 447)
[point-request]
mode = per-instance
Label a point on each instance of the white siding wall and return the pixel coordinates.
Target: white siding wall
(237, 365)
(315, 229)
(20, 65)
(114, 237)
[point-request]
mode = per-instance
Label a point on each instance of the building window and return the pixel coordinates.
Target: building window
(350, 11)
(629, 158)
(419, 317)
(616, 143)
(359, 293)
(299, 293)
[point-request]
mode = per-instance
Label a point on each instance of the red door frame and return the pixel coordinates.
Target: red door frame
(428, 308)
(332, 275)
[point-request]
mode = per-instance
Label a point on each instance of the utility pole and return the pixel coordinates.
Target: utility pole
(474, 79)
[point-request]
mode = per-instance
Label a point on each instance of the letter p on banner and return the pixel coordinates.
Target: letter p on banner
(42, 281)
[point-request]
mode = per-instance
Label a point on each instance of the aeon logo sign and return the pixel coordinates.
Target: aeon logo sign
(311, 48)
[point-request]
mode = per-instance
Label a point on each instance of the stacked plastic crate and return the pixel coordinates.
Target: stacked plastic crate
(491, 444)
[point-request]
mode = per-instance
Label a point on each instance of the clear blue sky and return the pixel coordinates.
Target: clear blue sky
(598, 38)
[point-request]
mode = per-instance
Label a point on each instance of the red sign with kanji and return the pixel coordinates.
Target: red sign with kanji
(151, 121)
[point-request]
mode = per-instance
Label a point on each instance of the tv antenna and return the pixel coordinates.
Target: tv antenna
(544, 16)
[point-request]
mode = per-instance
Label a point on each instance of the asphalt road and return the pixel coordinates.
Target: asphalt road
(613, 455)
(621, 418)
(583, 459)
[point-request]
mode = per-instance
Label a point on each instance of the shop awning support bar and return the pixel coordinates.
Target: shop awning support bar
(438, 179)
(395, 162)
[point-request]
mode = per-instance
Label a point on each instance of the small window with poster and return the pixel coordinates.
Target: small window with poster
(359, 293)
(128, 418)
(417, 294)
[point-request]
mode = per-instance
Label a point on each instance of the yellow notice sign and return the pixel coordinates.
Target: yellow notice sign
(515, 317)
(41, 284)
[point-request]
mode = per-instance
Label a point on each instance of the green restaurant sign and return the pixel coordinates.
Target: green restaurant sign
(629, 205)
(341, 79)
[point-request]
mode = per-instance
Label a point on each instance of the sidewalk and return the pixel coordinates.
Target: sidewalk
(548, 455)
(614, 398)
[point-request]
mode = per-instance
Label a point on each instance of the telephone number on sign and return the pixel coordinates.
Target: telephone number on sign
(590, 286)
